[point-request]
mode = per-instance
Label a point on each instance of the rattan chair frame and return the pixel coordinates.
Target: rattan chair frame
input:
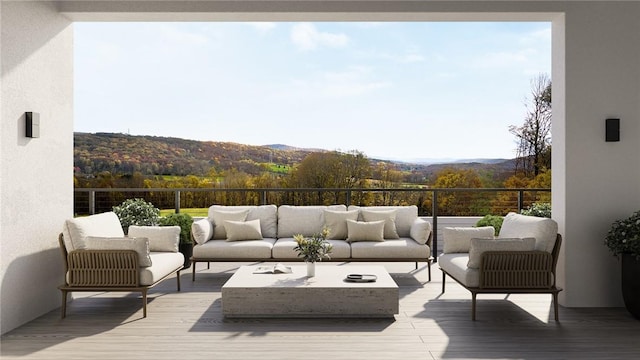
(104, 270)
(515, 272)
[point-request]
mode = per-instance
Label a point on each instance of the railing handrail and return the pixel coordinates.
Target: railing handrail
(348, 191)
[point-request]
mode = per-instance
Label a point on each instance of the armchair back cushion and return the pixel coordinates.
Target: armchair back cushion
(480, 246)
(161, 238)
(75, 231)
(140, 245)
(544, 230)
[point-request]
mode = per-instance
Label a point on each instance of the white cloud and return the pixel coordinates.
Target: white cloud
(306, 37)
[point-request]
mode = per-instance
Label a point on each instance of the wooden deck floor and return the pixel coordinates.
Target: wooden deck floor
(431, 325)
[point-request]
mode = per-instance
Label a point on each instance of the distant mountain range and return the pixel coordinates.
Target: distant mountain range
(155, 155)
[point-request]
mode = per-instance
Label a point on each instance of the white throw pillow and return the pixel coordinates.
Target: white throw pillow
(545, 230)
(218, 218)
(420, 231)
(365, 231)
(458, 239)
(161, 238)
(243, 230)
(140, 245)
(202, 230)
(389, 217)
(480, 246)
(336, 222)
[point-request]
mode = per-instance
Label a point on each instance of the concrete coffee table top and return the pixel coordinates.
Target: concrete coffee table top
(247, 294)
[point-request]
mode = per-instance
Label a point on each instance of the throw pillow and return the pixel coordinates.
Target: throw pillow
(458, 239)
(202, 231)
(480, 246)
(243, 230)
(365, 231)
(140, 245)
(420, 231)
(336, 222)
(218, 218)
(161, 238)
(389, 217)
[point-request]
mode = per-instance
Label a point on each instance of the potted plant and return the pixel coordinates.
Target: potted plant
(313, 249)
(491, 220)
(186, 242)
(623, 240)
(136, 212)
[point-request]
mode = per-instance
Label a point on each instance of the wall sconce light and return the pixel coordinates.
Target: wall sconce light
(32, 124)
(612, 132)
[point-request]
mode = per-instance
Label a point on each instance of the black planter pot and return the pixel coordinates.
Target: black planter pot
(187, 251)
(631, 284)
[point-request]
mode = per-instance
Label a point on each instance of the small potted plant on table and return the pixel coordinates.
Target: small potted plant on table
(313, 249)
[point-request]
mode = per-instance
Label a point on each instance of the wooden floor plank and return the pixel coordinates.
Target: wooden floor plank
(189, 325)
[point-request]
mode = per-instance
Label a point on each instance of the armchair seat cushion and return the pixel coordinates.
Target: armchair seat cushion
(162, 264)
(455, 264)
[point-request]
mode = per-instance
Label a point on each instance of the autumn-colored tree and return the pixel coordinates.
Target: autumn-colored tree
(508, 201)
(454, 202)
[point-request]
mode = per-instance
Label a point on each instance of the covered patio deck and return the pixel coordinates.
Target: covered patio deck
(430, 325)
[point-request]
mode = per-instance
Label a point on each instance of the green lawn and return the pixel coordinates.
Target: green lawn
(196, 212)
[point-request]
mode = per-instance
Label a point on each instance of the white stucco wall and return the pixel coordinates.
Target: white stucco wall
(596, 74)
(36, 181)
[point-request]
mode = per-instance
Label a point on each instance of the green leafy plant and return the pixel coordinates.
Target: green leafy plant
(182, 220)
(624, 236)
(315, 248)
(542, 209)
(136, 212)
(491, 220)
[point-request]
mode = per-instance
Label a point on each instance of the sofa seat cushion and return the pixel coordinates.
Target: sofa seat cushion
(405, 216)
(403, 248)
(544, 230)
(283, 249)
(163, 264)
(305, 220)
(267, 214)
(221, 249)
(455, 264)
(75, 231)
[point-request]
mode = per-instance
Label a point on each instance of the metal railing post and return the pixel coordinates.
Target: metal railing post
(520, 200)
(92, 202)
(263, 196)
(177, 201)
(348, 197)
(434, 211)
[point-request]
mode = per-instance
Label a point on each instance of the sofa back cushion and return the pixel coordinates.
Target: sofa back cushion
(405, 216)
(76, 230)
(267, 214)
(544, 230)
(305, 220)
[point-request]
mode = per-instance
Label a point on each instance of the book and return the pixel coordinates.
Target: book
(273, 269)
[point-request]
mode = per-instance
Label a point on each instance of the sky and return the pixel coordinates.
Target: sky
(392, 90)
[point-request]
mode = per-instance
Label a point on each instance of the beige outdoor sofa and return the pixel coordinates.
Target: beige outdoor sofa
(522, 259)
(265, 233)
(98, 257)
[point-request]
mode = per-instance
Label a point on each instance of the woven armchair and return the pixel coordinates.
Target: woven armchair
(104, 270)
(515, 272)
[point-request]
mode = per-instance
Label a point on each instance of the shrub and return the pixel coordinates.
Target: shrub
(542, 209)
(182, 220)
(136, 212)
(491, 220)
(624, 236)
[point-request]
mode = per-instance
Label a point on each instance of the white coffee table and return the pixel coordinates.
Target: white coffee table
(247, 294)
